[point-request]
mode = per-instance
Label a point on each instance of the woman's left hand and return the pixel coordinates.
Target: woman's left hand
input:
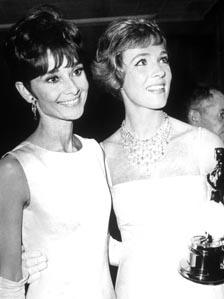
(34, 262)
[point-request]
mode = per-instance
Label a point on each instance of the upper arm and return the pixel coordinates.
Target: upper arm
(13, 196)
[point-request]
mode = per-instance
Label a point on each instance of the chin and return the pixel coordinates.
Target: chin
(78, 115)
(158, 105)
(159, 99)
(74, 115)
(77, 112)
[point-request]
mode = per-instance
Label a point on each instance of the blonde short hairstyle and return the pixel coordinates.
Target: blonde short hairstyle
(122, 34)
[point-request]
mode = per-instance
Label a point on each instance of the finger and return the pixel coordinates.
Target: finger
(32, 254)
(38, 268)
(34, 262)
(34, 277)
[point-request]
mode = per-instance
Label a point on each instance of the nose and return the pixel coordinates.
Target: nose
(158, 71)
(71, 86)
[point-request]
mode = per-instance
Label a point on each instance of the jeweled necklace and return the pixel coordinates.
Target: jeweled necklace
(144, 153)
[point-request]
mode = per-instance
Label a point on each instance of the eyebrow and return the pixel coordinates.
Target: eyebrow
(147, 54)
(56, 69)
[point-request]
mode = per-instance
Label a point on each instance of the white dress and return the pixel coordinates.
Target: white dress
(67, 219)
(157, 218)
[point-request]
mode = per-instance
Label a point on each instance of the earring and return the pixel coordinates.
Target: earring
(34, 108)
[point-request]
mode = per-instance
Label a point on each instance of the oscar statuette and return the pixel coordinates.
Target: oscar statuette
(204, 264)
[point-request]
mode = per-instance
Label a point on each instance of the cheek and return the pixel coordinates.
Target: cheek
(49, 95)
(219, 123)
(44, 105)
(131, 86)
(86, 85)
(132, 75)
(213, 124)
(40, 93)
(47, 100)
(83, 83)
(169, 75)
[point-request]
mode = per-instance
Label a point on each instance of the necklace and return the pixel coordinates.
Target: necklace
(144, 153)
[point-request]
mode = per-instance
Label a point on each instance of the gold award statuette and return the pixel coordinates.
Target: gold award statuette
(205, 261)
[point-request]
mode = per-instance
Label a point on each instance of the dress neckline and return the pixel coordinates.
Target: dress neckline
(145, 180)
(56, 152)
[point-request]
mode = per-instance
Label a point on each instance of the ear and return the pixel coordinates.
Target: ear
(24, 92)
(194, 117)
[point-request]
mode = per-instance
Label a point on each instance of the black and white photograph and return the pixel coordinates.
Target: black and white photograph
(112, 149)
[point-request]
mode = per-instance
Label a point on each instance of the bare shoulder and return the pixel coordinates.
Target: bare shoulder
(210, 139)
(201, 140)
(181, 128)
(9, 167)
(187, 131)
(12, 179)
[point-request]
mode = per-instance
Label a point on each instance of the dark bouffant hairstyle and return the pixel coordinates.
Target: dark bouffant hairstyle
(29, 41)
(122, 34)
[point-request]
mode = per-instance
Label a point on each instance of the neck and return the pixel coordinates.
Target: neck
(54, 135)
(145, 124)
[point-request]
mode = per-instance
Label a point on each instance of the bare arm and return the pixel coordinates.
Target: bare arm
(13, 196)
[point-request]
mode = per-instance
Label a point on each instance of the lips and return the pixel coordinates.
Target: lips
(70, 103)
(156, 88)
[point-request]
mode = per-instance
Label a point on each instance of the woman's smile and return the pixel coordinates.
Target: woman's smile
(160, 88)
(71, 102)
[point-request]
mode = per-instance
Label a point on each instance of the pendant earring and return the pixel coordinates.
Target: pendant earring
(34, 109)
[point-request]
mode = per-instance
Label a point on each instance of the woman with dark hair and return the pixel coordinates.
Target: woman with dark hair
(157, 165)
(54, 194)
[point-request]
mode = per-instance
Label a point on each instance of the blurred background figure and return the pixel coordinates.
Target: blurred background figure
(206, 109)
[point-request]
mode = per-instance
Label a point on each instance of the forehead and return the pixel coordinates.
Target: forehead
(215, 103)
(131, 54)
(218, 97)
(52, 63)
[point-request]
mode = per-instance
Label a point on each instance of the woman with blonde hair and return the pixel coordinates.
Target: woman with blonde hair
(158, 167)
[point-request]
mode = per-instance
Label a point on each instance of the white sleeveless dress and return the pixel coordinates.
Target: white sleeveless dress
(67, 219)
(157, 218)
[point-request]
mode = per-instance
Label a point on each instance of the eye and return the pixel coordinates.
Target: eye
(165, 59)
(221, 115)
(52, 79)
(141, 62)
(78, 71)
